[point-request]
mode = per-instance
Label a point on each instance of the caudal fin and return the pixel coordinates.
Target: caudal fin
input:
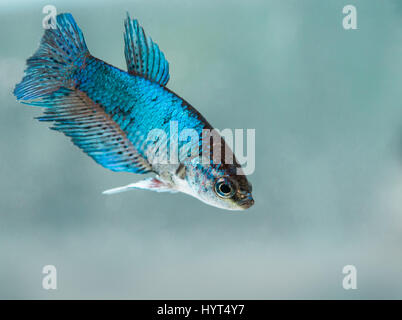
(61, 51)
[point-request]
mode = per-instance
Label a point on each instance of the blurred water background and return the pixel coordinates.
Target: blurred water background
(326, 104)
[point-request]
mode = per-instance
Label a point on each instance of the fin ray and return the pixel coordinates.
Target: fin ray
(61, 50)
(49, 82)
(101, 138)
(143, 56)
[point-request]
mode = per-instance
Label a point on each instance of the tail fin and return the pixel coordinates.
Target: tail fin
(61, 51)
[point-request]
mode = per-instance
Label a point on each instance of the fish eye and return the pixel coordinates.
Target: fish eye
(224, 188)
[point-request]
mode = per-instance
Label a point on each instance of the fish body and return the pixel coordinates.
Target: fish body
(109, 113)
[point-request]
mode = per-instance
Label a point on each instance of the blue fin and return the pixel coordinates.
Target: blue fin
(49, 82)
(94, 131)
(143, 56)
(61, 51)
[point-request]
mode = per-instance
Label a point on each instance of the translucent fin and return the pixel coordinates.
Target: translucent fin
(143, 56)
(153, 184)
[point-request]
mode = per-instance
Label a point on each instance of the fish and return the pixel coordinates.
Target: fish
(109, 114)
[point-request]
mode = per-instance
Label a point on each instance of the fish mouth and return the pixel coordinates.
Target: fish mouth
(246, 203)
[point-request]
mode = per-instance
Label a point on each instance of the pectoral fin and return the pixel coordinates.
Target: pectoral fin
(153, 184)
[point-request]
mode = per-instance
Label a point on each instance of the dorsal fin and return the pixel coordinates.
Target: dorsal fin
(143, 56)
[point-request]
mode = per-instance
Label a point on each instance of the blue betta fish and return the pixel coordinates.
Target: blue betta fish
(109, 114)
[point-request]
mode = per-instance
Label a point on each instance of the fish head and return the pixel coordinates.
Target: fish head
(220, 188)
(231, 192)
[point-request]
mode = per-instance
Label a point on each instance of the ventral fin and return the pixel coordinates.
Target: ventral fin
(153, 184)
(143, 56)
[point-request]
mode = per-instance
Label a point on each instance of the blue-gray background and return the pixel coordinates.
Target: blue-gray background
(326, 104)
